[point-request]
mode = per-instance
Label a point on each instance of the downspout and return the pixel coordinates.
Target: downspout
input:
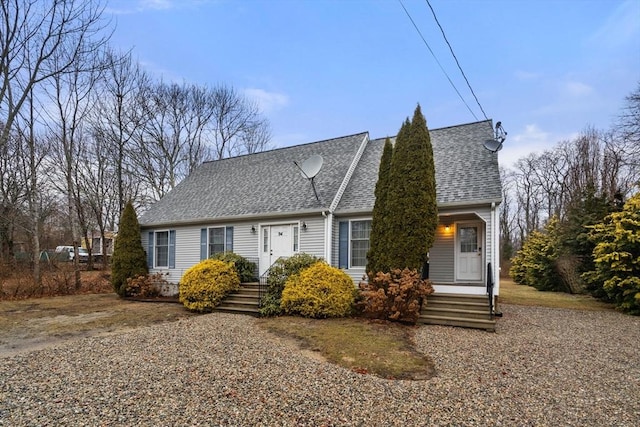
(328, 235)
(495, 257)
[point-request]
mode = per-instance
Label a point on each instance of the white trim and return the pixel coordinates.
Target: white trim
(328, 236)
(347, 176)
(482, 228)
(370, 219)
(155, 244)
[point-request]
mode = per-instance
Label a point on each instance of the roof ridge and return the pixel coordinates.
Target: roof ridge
(442, 128)
(286, 148)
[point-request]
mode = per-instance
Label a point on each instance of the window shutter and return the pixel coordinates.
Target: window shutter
(172, 248)
(343, 247)
(228, 247)
(203, 244)
(150, 250)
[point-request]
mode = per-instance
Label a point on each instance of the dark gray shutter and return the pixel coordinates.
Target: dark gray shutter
(228, 247)
(150, 250)
(203, 244)
(172, 248)
(343, 244)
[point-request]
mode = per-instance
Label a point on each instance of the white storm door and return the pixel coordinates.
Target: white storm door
(277, 241)
(469, 258)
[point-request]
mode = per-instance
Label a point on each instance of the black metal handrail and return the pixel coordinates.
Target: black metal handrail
(490, 288)
(263, 283)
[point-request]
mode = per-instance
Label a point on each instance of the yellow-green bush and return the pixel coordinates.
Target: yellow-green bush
(319, 291)
(205, 284)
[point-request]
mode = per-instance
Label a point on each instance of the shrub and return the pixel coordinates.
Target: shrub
(245, 268)
(129, 258)
(397, 295)
(205, 284)
(535, 264)
(144, 286)
(279, 272)
(319, 291)
(617, 256)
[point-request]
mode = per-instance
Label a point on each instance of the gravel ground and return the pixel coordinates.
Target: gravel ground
(542, 367)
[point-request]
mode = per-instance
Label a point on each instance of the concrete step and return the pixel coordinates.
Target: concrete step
(489, 325)
(468, 311)
(237, 310)
(464, 313)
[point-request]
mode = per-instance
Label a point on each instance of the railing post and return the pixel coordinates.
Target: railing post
(490, 288)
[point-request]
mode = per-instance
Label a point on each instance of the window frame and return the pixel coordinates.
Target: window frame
(225, 243)
(351, 240)
(156, 246)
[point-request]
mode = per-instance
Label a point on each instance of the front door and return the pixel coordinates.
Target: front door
(277, 241)
(469, 238)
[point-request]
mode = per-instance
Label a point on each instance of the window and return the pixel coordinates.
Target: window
(360, 232)
(220, 239)
(162, 249)
(265, 239)
(295, 238)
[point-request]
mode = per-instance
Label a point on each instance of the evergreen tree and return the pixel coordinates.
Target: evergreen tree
(617, 256)
(129, 257)
(377, 255)
(412, 213)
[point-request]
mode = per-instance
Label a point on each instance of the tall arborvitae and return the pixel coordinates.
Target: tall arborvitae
(376, 257)
(412, 214)
(129, 258)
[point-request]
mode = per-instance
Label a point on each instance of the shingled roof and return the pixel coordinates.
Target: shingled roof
(260, 184)
(269, 184)
(466, 172)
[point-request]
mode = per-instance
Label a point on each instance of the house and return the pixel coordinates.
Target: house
(261, 207)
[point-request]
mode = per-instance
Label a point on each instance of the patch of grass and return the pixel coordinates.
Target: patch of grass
(78, 314)
(511, 293)
(380, 348)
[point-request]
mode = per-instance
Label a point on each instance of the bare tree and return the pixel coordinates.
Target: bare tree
(185, 125)
(40, 39)
(118, 117)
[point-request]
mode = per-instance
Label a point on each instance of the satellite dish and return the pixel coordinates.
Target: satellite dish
(493, 145)
(310, 167)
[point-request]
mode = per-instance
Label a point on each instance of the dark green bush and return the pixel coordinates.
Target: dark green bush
(397, 295)
(245, 268)
(279, 272)
(129, 258)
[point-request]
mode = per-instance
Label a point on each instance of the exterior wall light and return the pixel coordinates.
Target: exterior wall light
(304, 225)
(253, 228)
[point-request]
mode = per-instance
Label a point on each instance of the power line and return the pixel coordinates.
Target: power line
(438, 62)
(456, 58)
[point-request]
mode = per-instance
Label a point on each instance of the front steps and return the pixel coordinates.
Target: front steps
(467, 311)
(244, 301)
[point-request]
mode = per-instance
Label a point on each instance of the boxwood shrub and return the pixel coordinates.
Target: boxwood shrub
(205, 284)
(279, 272)
(319, 291)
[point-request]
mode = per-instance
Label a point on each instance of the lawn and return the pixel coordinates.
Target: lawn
(510, 293)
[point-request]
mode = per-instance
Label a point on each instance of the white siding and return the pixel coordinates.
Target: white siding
(441, 255)
(245, 243)
(312, 239)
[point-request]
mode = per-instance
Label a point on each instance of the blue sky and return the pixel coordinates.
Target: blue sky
(327, 68)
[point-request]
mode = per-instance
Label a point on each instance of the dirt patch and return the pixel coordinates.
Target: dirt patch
(33, 324)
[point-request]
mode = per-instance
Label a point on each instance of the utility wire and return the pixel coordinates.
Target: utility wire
(456, 58)
(438, 62)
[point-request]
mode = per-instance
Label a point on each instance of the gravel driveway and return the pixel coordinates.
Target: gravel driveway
(543, 367)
